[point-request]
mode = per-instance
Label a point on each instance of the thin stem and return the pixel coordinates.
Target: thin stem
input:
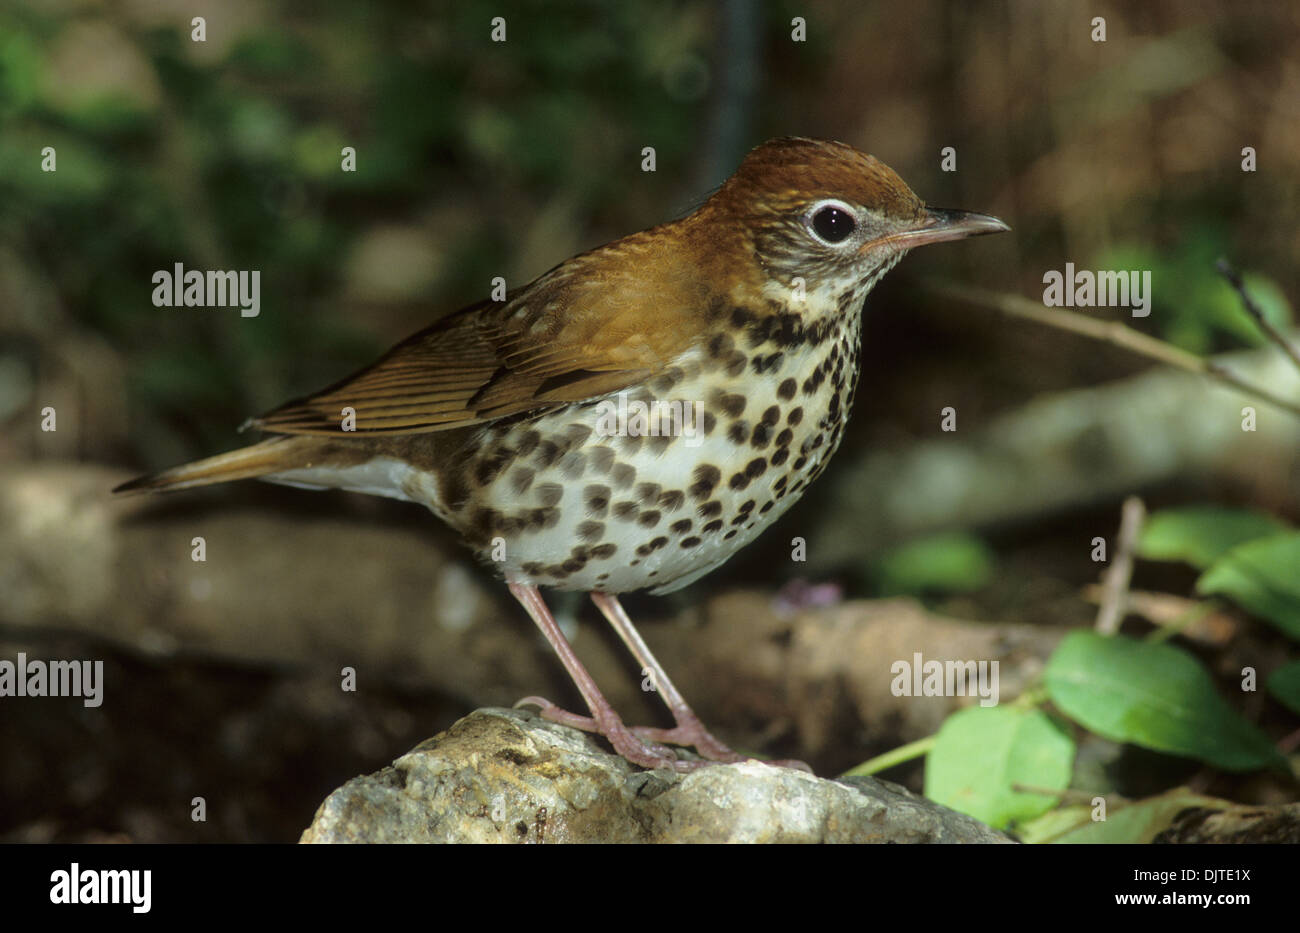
(895, 756)
(1112, 332)
(1115, 581)
(1035, 695)
(1256, 312)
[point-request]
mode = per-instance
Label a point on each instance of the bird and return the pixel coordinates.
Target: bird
(633, 417)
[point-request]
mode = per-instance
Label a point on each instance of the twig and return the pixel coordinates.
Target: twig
(1253, 309)
(1115, 580)
(1186, 620)
(1112, 332)
(1172, 615)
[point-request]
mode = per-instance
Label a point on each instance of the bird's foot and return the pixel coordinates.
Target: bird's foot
(627, 742)
(688, 732)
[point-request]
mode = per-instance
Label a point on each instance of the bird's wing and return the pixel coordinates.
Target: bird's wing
(587, 328)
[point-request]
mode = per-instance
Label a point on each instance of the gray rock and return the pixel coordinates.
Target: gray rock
(502, 775)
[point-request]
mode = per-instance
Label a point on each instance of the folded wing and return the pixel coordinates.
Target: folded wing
(594, 325)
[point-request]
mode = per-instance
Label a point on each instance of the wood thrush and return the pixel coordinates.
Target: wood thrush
(501, 418)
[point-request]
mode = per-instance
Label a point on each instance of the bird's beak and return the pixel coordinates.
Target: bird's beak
(938, 226)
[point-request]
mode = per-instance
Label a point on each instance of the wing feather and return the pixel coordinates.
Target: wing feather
(577, 333)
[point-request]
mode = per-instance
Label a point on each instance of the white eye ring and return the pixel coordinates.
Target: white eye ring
(835, 213)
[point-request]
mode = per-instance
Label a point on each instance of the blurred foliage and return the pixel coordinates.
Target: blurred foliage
(229, 157)
(1193, 306)
(1249, 557)
(983, 762)
(1146, 693)
(480, 159)
(1284, 685)
(1261, 576)
(1200, 535)
(982, 754)
(957, 562)
(1125, 823)
(1154, 695)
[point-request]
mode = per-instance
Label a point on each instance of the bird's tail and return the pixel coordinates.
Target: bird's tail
(269, 456)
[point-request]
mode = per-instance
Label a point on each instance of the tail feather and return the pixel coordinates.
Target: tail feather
(269, 456)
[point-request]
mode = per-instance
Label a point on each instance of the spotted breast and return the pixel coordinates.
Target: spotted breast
(656, 486)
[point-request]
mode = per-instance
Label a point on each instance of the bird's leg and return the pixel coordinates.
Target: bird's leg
(603, 719)
(689, 729)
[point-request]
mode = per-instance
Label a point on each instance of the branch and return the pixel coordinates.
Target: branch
(1272, 333)
(1112, 332)
(1117, 576)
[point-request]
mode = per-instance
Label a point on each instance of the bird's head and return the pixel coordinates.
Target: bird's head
(827, 218)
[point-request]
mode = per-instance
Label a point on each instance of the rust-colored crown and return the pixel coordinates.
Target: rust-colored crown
(791, 170)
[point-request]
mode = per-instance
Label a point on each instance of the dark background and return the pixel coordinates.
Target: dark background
(479, 159)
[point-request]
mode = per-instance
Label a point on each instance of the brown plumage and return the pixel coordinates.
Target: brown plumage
(745, 313)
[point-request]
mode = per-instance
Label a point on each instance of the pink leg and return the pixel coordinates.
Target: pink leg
(603, 719)
(689, 729)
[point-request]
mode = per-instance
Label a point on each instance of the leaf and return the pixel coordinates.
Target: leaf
(1196, 308)
(1054, 823)
(1284, 685)
(1228, 314)
(953, 563)
(1153, 695)
(1263, 577)
(1138, 821)
(1199, 535)
(981, 752)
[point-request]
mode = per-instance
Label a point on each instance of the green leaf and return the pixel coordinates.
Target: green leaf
(1153, 695)
(1263, 577)
(317, 152)
(1138, 821)
(1199, 535)
(1054, 823)
(1284, 685)
(1195, 308)
(953, 563)
(1227, 312)
(21, 62)
(981, 752)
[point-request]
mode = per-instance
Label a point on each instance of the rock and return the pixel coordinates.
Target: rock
(1275, 824)
(502, 775)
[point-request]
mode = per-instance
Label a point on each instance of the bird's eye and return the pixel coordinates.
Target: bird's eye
(833, 224)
